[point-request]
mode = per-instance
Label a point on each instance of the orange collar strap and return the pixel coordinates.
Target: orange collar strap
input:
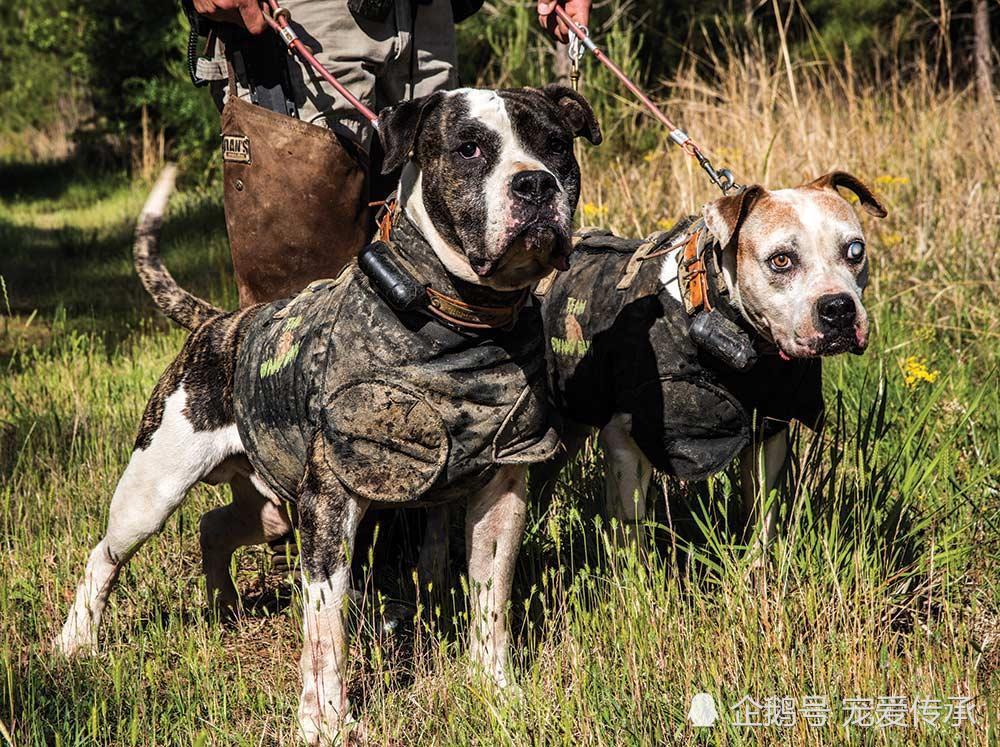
(693, 275)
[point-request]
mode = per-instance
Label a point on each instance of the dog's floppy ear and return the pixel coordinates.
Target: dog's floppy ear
(848, 181)
(725, 216)
(576, 112)
(398, 127)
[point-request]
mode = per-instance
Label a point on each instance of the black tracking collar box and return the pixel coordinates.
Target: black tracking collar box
(627, 351)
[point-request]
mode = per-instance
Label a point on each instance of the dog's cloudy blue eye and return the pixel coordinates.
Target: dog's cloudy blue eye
(855, 251)
(469, 150)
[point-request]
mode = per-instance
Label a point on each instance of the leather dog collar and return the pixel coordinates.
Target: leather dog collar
(699, 274)
(448, 308)
(472, 316)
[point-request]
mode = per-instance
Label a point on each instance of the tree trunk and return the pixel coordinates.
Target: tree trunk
(983, 49)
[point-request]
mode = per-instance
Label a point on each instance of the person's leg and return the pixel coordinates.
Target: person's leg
(427, 56)
(353, 49)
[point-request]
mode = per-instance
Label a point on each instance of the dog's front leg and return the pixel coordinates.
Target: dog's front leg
(760, 467)
(626, 479)
(432, 566)
(329, 518)
(494, 525)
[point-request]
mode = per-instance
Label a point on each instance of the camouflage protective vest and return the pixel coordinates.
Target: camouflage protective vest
(627, 351)
(402, 407)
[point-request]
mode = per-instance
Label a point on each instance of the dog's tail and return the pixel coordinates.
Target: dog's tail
(187, 310)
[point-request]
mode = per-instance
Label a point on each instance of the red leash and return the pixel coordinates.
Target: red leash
(722, 178)
(278, 19)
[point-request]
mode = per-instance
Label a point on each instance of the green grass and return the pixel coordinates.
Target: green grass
(883, 581)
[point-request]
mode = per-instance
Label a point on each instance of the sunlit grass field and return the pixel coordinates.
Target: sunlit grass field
(883, 582)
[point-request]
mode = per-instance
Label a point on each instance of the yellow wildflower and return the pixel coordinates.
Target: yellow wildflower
(915, 370)
(592, 212)
(888, 180)
(665, 224)
(891, 239)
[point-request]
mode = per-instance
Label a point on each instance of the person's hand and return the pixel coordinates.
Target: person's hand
(578, 10)
(245, 13)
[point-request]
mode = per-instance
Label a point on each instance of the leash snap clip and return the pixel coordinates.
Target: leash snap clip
(727, 181)
(575, 52)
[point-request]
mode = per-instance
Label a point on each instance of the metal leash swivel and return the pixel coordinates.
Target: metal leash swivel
(575, 52)
(721, 178)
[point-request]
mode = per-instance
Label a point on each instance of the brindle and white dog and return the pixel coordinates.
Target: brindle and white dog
(320, 398)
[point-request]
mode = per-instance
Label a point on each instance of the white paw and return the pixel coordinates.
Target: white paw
(326, 728)
(71, 645)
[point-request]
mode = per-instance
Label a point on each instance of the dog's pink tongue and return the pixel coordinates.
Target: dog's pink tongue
(783, 355)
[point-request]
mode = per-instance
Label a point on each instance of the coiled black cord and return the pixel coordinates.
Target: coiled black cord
(197, 30)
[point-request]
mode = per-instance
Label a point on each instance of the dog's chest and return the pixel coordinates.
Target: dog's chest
(400, 408)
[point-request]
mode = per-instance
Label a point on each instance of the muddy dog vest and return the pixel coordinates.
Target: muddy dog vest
(626, 350)
(403, 407)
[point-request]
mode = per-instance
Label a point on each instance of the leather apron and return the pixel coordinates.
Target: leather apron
(296, 200)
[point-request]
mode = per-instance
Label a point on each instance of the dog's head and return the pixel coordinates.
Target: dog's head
(491, 179)
(796, 262)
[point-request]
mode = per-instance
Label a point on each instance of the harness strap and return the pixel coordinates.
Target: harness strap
(544, 285)
(384, 219)
(652, 246)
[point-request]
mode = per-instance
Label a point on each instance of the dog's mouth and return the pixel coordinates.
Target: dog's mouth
(831, 344)
(534, 249)
(545, 241)
(837, 344)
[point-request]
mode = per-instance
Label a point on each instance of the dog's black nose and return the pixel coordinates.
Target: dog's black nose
(836, 312)
(535, 187)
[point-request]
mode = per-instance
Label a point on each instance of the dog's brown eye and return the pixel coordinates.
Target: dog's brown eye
(469, 150)
(780, 262)
(855, 251)
(558, 146)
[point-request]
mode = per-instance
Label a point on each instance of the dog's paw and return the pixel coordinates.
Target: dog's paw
(317, 731)
(73, 646)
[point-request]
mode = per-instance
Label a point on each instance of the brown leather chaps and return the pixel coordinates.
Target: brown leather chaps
(296, 200)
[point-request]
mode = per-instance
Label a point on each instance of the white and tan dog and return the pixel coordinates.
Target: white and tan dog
(793, 267)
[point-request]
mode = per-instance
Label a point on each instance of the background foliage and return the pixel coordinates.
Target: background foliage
(92, 72)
